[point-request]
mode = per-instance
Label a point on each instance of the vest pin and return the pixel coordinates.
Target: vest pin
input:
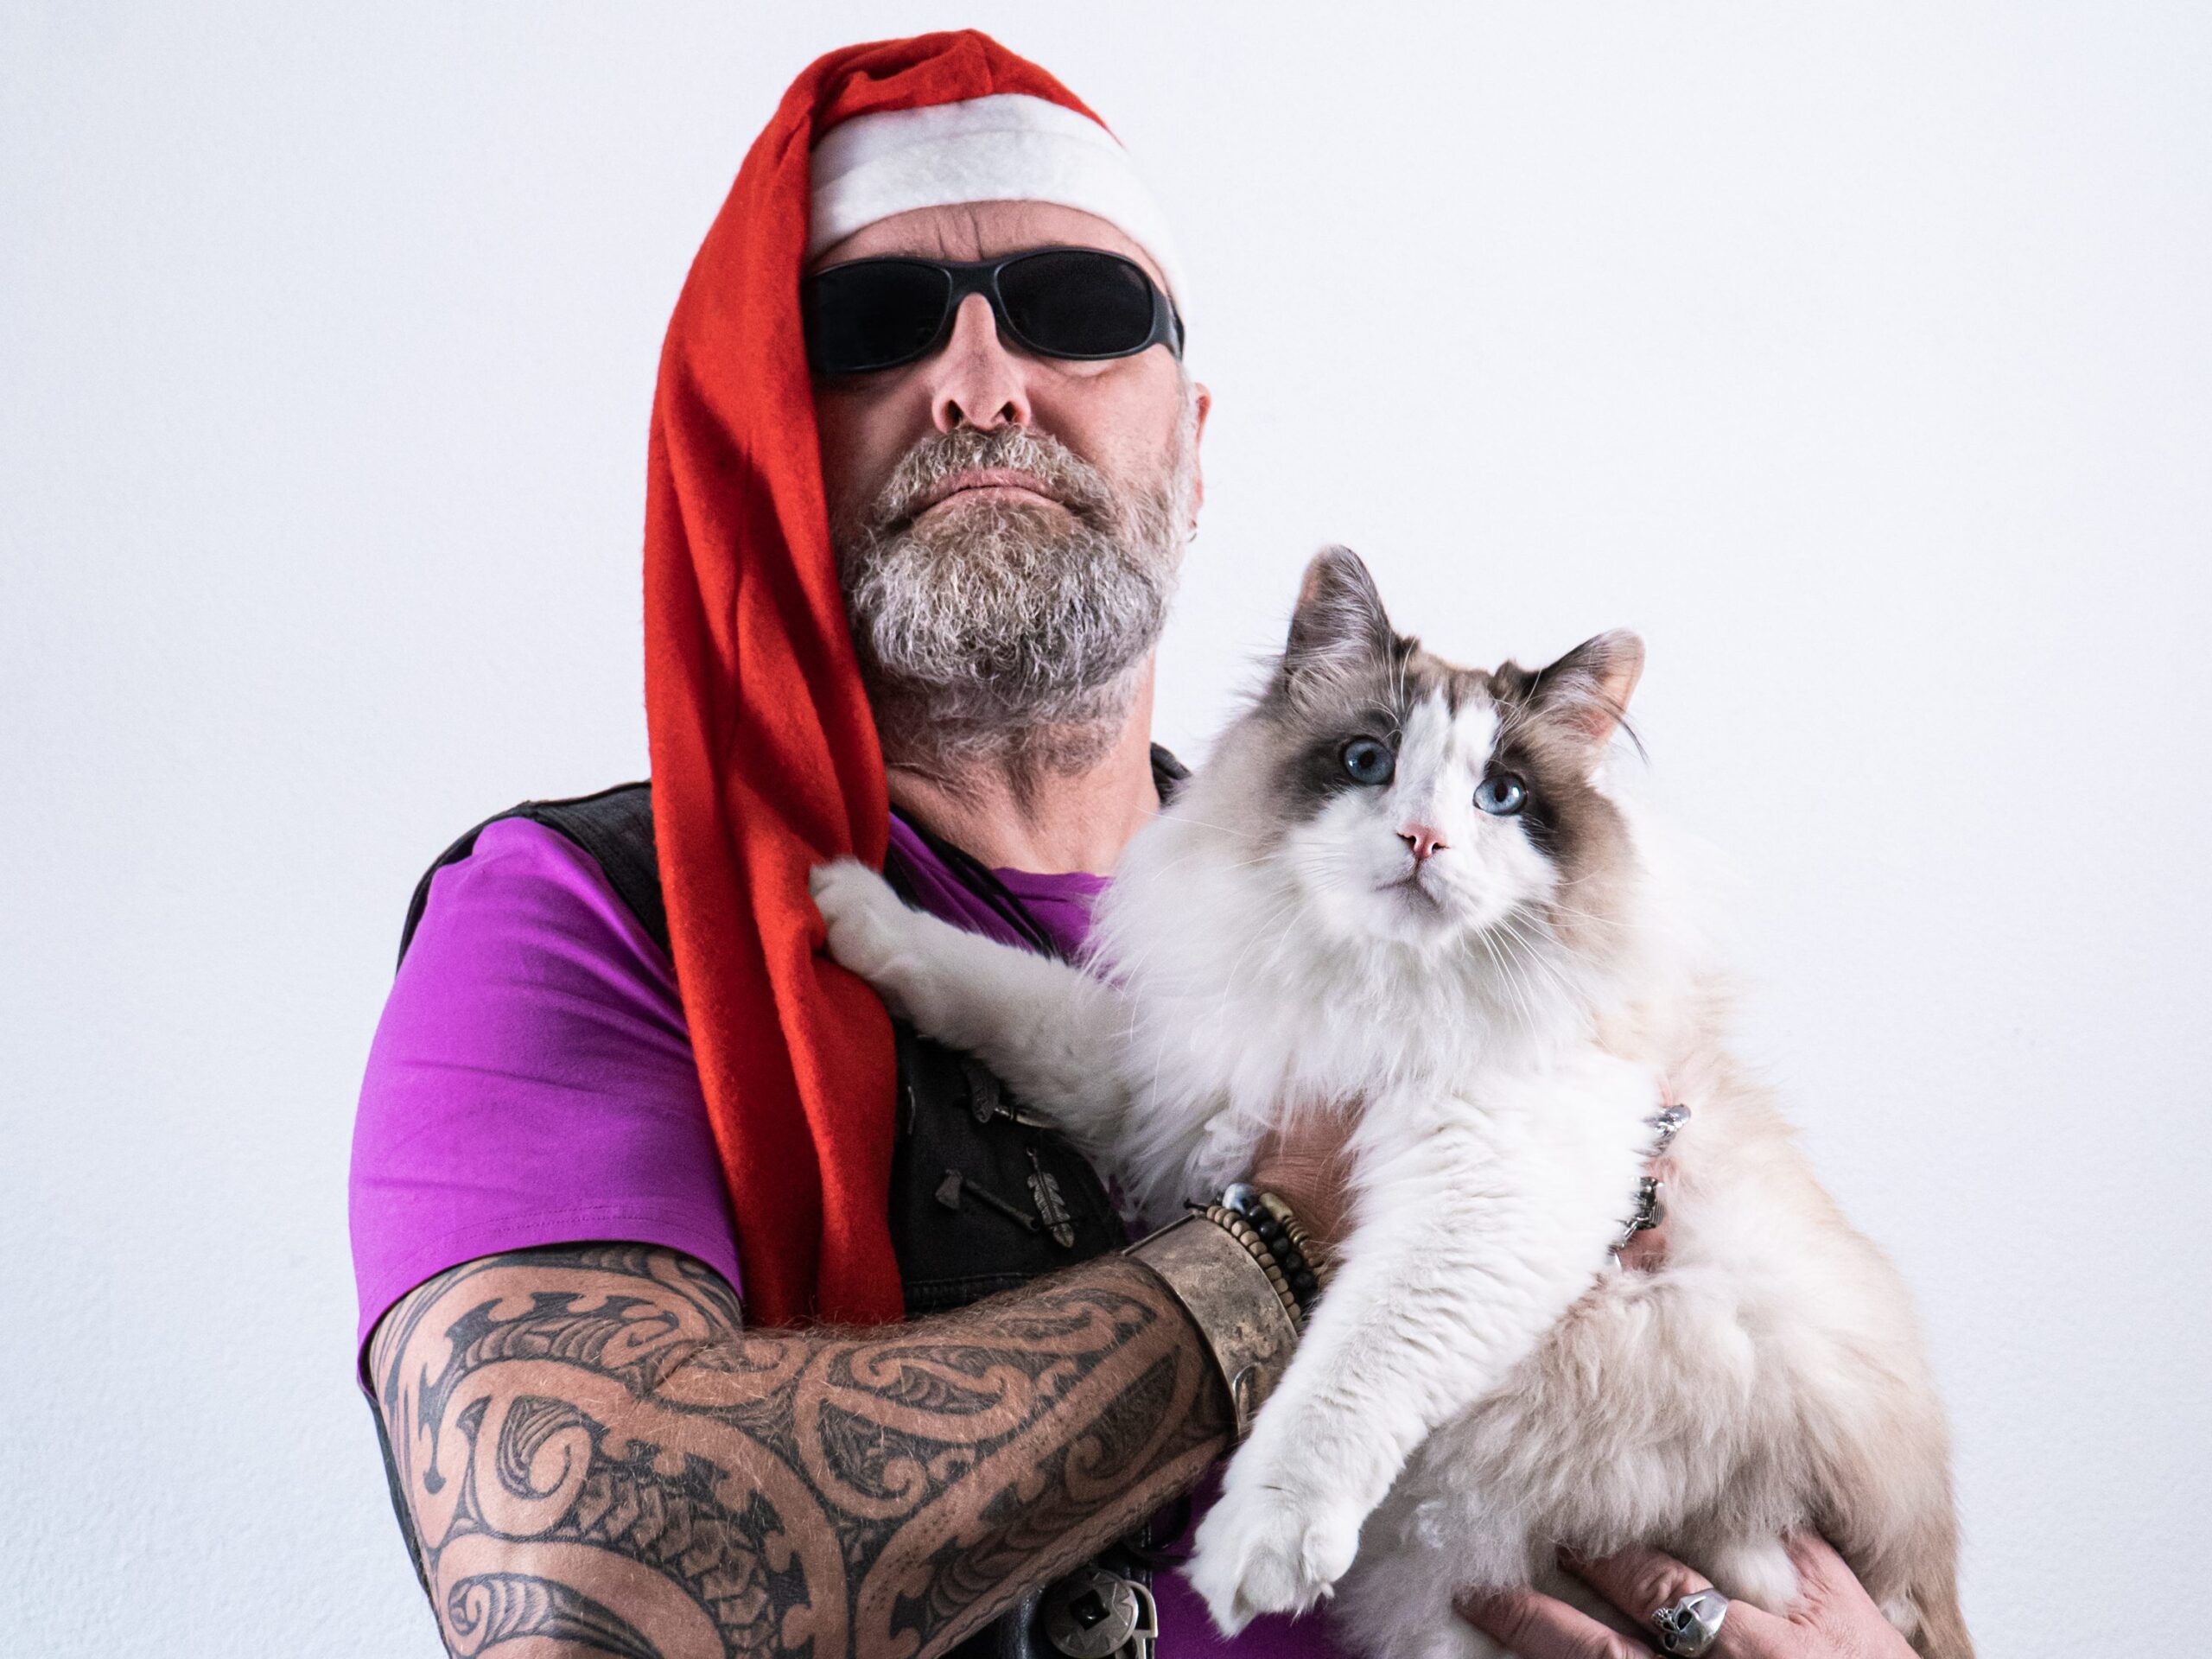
(954, 1186)
(1051, 1207)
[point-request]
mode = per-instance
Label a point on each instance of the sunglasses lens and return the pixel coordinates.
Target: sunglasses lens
(1075, 303)
(872, 315)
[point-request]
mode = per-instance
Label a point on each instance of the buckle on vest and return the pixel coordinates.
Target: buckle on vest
(1096, 1614)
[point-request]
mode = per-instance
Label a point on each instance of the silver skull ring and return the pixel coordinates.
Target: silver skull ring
(1688, 1627)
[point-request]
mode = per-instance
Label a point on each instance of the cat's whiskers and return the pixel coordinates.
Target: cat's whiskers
(1213, 856)
(1528, 958)
(1501, 990)
(1504, 971)
(1557, 907)
(1533, 953)
(1183, 817)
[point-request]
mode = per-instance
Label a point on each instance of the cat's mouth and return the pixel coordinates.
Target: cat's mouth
(1413, 890)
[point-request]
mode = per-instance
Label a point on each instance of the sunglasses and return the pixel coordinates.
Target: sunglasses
(1081, 303)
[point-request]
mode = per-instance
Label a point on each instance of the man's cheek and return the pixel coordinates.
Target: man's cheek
(860, 450)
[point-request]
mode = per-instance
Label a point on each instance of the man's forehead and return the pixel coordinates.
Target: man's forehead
(984, 229)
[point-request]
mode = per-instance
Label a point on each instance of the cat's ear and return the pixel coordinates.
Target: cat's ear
(1587, 690)
(1340, 622)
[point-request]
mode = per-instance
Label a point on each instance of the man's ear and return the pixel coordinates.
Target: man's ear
(1202, 406)
(1589, 687)
(1340, 622)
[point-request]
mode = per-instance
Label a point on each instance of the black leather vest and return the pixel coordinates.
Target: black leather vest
(982, 1199)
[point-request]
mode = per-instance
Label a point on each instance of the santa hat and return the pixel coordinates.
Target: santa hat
(1002, 147)
(764, 757)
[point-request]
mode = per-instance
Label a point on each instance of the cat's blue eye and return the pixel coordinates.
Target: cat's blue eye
(1369, 762)
(1501, 794)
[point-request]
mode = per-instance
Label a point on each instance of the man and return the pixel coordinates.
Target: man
(593, 1450)
(599, 1224)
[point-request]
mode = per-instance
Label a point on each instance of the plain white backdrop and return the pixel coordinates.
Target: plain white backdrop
(1859, 356)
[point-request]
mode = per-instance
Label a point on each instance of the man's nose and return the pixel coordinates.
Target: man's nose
(975, 380)
(1422, 840)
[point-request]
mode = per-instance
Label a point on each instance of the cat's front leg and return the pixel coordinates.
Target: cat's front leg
(1468, 1247)
(1051, 1032)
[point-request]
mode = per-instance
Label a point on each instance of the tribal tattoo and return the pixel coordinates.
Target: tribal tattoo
(597, 1458)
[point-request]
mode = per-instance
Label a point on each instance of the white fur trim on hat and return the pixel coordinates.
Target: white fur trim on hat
(1007, 147)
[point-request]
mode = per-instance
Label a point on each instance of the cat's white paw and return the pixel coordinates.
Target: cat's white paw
(867, 923)
(1265, 1550)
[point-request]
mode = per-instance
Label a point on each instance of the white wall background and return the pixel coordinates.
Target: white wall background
(1859, 356)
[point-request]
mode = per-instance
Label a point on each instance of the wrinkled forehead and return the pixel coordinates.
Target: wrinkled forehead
(984, 229)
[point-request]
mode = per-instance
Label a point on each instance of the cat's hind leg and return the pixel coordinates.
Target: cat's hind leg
(1051, 1032)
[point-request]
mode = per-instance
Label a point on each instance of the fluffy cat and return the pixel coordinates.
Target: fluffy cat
(1402, 890)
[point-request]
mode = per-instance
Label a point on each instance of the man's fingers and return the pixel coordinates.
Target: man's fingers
(1820, 1571)
(1535, 1626)
(1640, 1581)
(1827, 1589)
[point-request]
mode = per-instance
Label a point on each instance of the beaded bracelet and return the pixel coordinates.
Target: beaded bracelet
(1303, 1253)
(1271, 1232)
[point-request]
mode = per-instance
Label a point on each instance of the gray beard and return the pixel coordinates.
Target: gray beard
(1006, 631)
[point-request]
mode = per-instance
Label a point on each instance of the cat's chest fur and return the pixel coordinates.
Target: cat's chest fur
(1557, 1121)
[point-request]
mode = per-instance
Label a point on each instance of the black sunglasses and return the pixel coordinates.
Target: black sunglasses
(1071, 302)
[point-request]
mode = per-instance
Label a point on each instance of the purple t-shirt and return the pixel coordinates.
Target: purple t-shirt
(531, 1082)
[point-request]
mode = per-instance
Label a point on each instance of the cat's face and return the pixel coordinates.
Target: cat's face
(1433, 806)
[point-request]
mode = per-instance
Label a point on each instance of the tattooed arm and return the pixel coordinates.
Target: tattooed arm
(599, 1460)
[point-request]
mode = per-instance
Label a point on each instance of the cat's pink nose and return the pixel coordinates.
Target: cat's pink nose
(1421, 840)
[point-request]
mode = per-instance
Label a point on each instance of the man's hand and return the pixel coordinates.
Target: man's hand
(1308, 1167)
(1835, 1617)
(596, 1459)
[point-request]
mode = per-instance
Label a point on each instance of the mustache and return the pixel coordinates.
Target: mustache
(1074, 482)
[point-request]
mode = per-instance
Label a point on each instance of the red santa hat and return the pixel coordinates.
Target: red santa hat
(764, 757)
